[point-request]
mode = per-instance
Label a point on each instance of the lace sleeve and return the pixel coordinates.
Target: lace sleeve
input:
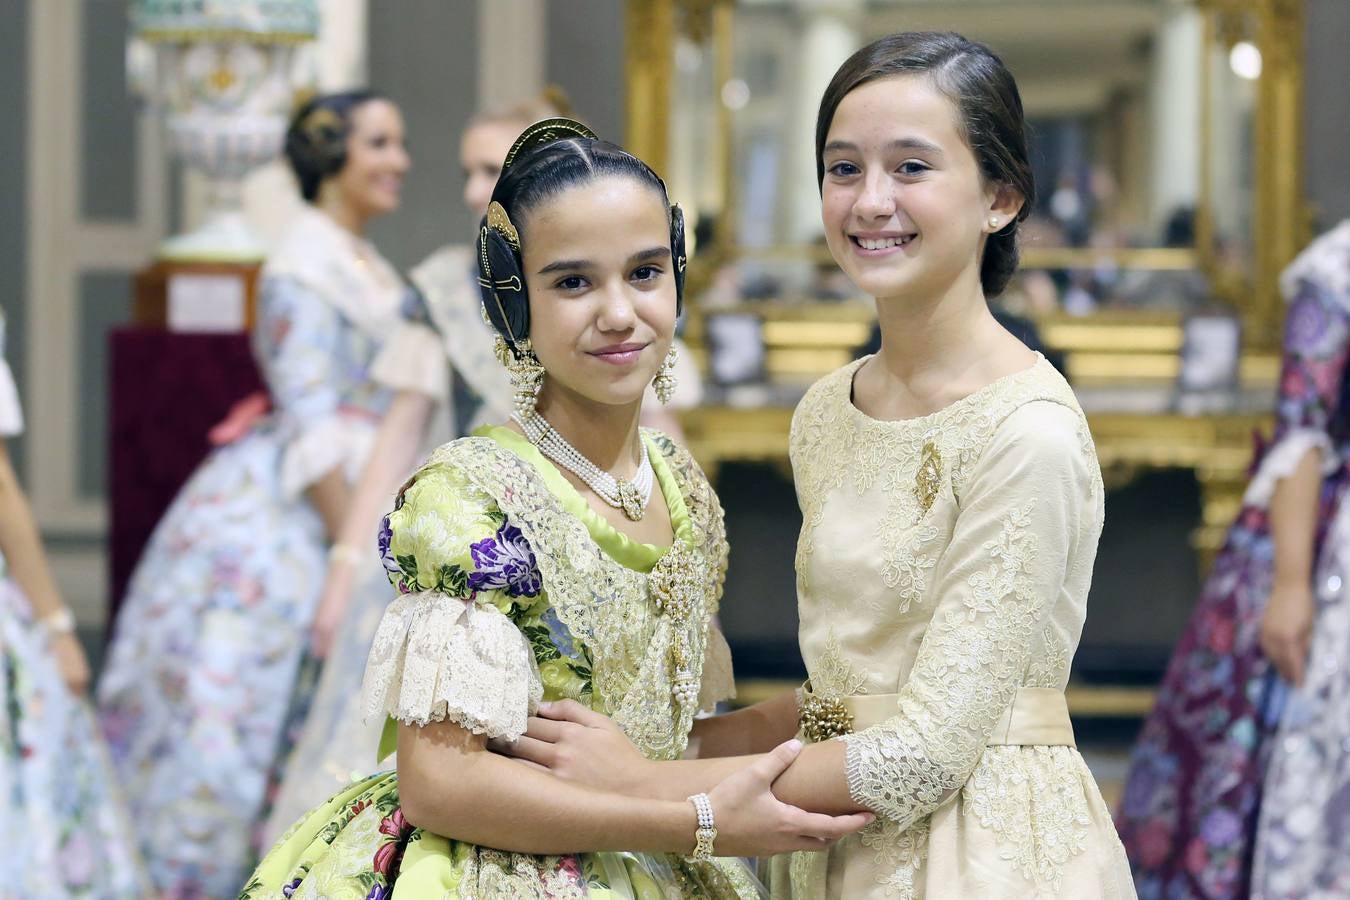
(1015, 536)
(448, 647)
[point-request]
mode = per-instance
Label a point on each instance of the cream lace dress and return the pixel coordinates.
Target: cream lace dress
(943, 573)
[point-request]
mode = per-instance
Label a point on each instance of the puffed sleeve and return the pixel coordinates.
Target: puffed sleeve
(447, 647)
(1021, 519)
(1316, 337)
(413, 359)
(297, 342)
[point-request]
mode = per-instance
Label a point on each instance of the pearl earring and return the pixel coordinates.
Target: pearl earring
(993, 221)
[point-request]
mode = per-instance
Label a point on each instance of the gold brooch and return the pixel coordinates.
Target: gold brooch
(928, 481)
(500, 222)
(822, 718)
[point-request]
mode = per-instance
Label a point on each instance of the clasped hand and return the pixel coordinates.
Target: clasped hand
(577, 744)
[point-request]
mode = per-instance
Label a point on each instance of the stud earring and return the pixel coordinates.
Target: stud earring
(993, 222)
(664, 382)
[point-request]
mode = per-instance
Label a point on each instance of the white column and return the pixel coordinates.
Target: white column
(1176, 109)
(512, 51)
(831, 32)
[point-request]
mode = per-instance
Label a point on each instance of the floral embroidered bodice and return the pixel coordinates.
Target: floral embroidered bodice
(512, 590)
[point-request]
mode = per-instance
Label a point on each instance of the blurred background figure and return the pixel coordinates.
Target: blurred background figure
(207, 644)
(1240, 785)
(62, 825)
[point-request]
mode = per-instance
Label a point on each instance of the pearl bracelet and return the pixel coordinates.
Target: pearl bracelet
(707, 828)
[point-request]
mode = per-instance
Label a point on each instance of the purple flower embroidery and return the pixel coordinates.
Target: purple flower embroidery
(385, 541)
(1220, 828)
(507, 563)
(289, 889)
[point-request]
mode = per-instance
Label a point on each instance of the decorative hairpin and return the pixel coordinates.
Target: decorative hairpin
(322, 124)
(500, 222)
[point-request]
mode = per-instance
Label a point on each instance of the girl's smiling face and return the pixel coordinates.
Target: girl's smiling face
(601, 285)
(905, 208)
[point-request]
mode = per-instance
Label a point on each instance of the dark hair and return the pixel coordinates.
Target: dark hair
(537, 169)
(990, 108)
(316, 140)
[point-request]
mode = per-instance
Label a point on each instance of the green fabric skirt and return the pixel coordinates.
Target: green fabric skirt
(358, 846)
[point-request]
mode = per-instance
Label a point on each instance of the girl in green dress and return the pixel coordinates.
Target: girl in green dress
(566, 555)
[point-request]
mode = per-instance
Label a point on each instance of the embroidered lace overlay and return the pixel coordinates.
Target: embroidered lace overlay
(508, 597)
(947, 559)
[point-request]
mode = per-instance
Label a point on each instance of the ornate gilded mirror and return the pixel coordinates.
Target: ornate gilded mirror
(1165, 137)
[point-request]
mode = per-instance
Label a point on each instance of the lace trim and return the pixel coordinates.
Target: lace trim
(333, 442)
(832, 676)
(1283, 458)
(719, 678)
(1032, 799)
(438, 657)
(610, 607)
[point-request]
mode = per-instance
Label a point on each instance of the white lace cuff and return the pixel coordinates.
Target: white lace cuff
(438, 657)
(413, 360)
(719, 679)
(1283, 458)
(11, 414)
(332, 442)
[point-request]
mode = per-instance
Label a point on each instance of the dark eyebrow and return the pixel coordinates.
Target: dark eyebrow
(561, 264)
(582, 264)
(649, 255)
(909, 143)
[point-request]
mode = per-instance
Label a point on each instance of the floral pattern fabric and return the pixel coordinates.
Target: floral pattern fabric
(480, 539)
(206, 649)
(63, 827)
(1239, 784)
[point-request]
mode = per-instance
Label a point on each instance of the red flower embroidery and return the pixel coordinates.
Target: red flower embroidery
(394, 824)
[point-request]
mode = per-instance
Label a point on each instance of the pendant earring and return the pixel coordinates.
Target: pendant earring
(524, 370)
(664, 382)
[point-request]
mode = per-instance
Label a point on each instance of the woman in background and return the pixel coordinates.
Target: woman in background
(205, 652)
(1240, 783)
(63, 831)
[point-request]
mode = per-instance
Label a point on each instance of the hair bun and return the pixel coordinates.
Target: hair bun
(543, 133)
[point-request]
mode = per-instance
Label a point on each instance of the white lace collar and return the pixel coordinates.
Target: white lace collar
(344, 269)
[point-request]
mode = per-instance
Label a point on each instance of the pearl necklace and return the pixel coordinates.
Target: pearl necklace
(630, 496)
